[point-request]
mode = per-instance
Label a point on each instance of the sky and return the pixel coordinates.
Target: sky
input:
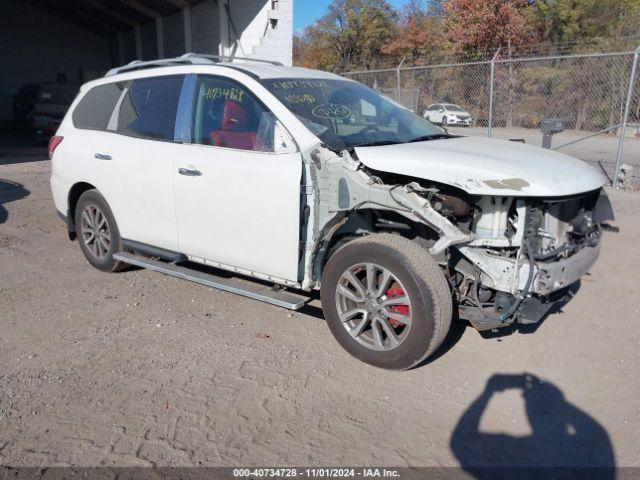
(305, 12)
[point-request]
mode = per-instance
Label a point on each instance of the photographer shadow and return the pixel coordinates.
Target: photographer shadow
(563, 437)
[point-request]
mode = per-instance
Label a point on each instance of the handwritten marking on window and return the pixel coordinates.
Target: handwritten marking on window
(298, 99)
(291, 84)
(331, 110)
(230, 93)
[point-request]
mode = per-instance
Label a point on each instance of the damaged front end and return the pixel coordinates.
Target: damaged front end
(507, 259)
(530, 251)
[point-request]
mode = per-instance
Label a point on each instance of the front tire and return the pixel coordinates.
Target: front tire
(98, 233)
(386, 301)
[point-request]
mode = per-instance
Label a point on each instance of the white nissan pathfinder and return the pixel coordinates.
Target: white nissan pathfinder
(294, 180)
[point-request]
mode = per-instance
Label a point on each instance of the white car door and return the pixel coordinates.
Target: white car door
(441, 114)
(428, 113)
(237, 201)
(137, 161)
(434, 114)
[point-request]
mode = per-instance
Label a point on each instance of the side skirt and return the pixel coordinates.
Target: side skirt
(246, 288)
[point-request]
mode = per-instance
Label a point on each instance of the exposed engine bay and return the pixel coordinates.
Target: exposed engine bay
(507, 258)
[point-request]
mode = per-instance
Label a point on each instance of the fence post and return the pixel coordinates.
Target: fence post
(623, 125)
(493, 63)
(398, 79)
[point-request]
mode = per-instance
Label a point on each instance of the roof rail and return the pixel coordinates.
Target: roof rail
(186, 59)
(223, 58)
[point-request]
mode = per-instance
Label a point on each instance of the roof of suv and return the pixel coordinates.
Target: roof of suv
(257, 68)
(274, 71)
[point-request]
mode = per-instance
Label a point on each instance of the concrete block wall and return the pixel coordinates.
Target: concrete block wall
(204, 32)
(277, 42)
(173, 27)
(205, 24)
(149, 43)
(259, 37)
(249, 17)
(129, 45)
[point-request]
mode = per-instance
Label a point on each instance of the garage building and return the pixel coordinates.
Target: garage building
(73, 41)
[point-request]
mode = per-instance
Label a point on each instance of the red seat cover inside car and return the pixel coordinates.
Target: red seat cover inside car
(235, 132)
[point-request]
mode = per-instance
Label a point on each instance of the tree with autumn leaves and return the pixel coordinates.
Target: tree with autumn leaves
(473, 27)
(417, 35)
(364, 34)
(352, 32)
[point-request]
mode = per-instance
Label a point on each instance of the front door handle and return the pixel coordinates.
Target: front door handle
(102, 156)
(187, 172)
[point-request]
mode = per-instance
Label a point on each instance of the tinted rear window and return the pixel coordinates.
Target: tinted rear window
(149, 109)
(95, 108)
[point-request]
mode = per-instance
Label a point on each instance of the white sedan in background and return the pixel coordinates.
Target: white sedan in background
(447, 114)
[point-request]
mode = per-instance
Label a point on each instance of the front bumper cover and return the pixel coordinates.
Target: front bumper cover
(531, 310)
(459, 121)
(551, 287)
(554, 276)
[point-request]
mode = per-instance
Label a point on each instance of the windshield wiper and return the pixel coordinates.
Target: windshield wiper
(424, 138)
(433, 136)
(376, 144)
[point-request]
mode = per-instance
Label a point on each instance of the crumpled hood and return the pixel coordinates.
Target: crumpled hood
(484, 166)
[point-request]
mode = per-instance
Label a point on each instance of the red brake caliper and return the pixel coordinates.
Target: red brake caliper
(393, 292)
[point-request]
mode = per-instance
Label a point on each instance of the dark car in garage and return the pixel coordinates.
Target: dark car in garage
(51, 103)
(23, 103)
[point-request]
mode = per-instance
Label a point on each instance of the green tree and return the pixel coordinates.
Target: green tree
(350, 35)
(580, 22)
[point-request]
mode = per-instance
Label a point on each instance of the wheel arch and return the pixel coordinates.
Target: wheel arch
(360, 223)
(74, 195)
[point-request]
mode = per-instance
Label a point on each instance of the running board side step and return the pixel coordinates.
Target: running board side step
(246, 288)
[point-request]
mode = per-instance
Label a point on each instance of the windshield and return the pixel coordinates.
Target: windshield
(453, 108)
(346, 114)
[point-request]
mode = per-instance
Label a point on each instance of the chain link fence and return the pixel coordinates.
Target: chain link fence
(508, 98)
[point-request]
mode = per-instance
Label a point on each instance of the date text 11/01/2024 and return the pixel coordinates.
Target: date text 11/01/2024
(315, 473)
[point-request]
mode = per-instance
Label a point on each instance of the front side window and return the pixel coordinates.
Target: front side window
(346, 114)
(226, 114)
(149, 108)
(95, 108)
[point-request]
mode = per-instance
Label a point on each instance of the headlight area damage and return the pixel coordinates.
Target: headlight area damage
(507, 259)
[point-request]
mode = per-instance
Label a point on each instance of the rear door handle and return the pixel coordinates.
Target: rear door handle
(189, 172)
(102, 156)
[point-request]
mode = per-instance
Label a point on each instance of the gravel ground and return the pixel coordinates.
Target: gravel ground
(141, 369)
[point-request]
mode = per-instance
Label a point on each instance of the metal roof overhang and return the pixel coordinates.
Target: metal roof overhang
(107, 17)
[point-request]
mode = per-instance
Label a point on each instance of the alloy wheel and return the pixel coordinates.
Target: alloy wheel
(373, 306)
(94, 229)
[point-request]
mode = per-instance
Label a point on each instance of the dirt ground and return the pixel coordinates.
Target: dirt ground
(137, 368)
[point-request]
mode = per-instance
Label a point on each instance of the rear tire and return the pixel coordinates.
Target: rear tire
(98, 233)
(413, 314)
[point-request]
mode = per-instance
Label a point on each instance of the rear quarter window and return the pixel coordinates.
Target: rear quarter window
(149, 108)
(95, 108)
